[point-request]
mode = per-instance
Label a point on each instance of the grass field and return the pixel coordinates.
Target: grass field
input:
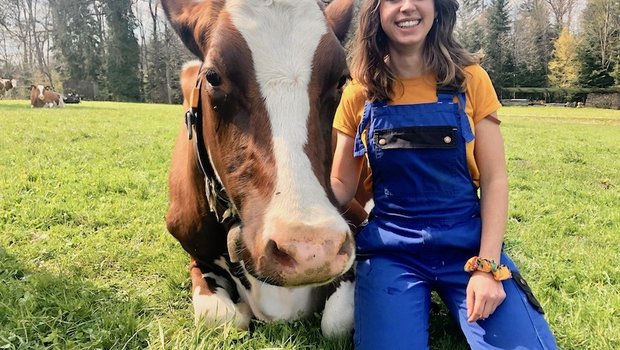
(86, 261)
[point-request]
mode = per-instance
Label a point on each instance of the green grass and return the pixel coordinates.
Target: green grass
(86, 261)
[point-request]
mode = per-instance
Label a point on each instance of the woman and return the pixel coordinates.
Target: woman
(416, 100)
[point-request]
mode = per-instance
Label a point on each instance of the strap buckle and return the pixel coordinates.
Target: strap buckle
(191, 118)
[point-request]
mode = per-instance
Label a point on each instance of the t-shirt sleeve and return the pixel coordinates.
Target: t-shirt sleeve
(481, 93)
(348, 113)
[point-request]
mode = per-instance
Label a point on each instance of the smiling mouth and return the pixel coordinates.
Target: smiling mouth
(408, 24)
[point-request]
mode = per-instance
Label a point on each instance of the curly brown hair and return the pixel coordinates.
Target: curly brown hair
(442, 54)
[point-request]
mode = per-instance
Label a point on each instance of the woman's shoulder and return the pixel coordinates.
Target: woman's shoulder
(348, 114)
(354, 93)
(475, 71)
(354, 88)
(481, 95)
(477, 78)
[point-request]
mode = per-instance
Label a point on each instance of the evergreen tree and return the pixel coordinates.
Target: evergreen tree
(78, 44)
(470, 31)
(77, 39)
(591, 72)
(156, 84)
(123, 56)
(496, 44)
(564, 66)
(532, 43)
(600, 40)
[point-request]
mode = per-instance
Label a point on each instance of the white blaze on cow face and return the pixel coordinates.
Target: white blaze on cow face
(282, 58)
(41, 88)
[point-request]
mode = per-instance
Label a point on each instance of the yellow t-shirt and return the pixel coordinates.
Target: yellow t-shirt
(481, 101)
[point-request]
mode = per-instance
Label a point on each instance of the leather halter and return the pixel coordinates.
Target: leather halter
(219, 202)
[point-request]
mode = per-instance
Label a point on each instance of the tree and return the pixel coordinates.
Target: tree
(592, 73)
(616, 72)
(532, 43)
(27, 24)
(562, 11)
(564, 66)
(474, 5)
(600, 34)
(158, 72)
(123, 54)
(470, 30)
(497, 58)
(77, 40)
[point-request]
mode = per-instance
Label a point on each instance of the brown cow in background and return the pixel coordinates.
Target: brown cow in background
(44, 97)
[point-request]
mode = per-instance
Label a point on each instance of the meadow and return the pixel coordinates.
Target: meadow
(86, 261)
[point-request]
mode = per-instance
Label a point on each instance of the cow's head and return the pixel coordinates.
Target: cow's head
(9, 84)
(38, 92)
(272, 74)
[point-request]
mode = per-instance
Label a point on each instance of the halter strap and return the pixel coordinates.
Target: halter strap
(217, 198)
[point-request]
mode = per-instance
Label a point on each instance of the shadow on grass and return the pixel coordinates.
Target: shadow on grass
(41, 310)
(306, 334)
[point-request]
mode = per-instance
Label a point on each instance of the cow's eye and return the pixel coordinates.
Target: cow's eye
(213, 78)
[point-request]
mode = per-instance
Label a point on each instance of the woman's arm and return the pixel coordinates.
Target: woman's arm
(346, 169)
(484, 293)
(491, 162)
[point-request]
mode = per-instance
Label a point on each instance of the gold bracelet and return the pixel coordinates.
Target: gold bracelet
(499, 272)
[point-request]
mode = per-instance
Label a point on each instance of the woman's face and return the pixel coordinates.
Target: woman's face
(407, 22)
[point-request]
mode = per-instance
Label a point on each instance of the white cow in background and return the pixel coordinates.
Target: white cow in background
(6, 85)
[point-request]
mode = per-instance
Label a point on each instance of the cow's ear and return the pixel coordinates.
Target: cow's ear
(192, 20)
(339, 15)
(32, 87)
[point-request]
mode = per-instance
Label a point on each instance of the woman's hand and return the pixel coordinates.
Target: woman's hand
(484, 295)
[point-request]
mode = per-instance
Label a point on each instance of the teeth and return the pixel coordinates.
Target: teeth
(412, 23)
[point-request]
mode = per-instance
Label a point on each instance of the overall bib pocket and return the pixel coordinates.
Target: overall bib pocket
(434, 149)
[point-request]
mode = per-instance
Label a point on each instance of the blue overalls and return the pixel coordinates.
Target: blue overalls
(424, 226)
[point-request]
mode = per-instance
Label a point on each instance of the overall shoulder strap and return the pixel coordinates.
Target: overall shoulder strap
(359, 148)
(445, 95)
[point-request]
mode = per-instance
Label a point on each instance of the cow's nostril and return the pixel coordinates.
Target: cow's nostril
(279, 255)
(347, 246)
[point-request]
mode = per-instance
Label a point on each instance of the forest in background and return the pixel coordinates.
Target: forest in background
(125, 50)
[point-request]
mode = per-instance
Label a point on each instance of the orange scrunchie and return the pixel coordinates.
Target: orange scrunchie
(499, 272)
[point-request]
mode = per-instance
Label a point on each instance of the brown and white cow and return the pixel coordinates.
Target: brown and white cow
(263, 233)
(43, 96)
(6, 85)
